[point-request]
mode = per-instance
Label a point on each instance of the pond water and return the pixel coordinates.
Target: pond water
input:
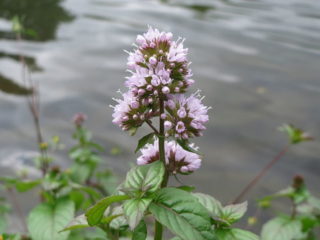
(257, 62)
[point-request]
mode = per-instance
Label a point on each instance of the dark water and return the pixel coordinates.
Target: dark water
(258, 63)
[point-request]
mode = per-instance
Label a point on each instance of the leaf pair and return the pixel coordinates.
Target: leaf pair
(141, 182)
(227, 215)
(224, 217)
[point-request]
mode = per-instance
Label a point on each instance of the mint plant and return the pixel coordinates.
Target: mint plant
(83, 202)
(160, 76)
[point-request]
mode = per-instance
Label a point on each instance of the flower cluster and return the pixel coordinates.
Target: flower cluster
(187, 116)
(177, 159)
(130, 112)
(159, 77)
(79, 118)
(159, 65)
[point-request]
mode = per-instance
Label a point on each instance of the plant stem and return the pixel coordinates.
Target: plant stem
(152, 127)
(34, 107)
(256, 179)
(158, 226)
(294, 210)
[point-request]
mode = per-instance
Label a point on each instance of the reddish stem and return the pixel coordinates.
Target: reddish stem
(256, 179)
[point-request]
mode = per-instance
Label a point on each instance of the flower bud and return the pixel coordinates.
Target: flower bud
(185, 136)
(182, 112)
(152, 60)
(152, 45)
(149, 88)
(155, 81)
(141, 92)
(171, 104)
(79, 119)
(165, 90)
(184, 169)
(134, 104)
(167, 124)
(163, 116)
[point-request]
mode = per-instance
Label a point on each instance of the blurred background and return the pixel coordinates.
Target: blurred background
(256, 61)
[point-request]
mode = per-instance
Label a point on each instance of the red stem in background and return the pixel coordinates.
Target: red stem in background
(256, 179)
(34, 106)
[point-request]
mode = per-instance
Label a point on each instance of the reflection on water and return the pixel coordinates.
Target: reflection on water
(42, 16)
(10, 87)
(29, 61)
(256, 61)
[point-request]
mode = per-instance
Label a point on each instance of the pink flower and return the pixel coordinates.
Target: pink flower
(177, 159)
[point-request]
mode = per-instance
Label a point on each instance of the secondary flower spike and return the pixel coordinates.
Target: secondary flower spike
(187, 116)
(178, 160)
(131, 112)
(158, 65)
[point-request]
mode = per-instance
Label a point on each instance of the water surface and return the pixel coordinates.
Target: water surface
(257, 61)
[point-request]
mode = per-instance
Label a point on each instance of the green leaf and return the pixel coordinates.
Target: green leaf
(232, 213)
(81, 222)
(295, 134)
(120, 222)
(213, 206)
(282, 228)
(187, 188)
(76, 223)
(144, 140)
(133, 131)
(23, 186)
(96, 212)
(182, 214)
(235, 234)
(134, 210)
(80, 172)
(96, 146)
(90, 191)
(308, 223)
(297, 195)
(45, 220)
(142, 179)
(186, 146)
(140, 232)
